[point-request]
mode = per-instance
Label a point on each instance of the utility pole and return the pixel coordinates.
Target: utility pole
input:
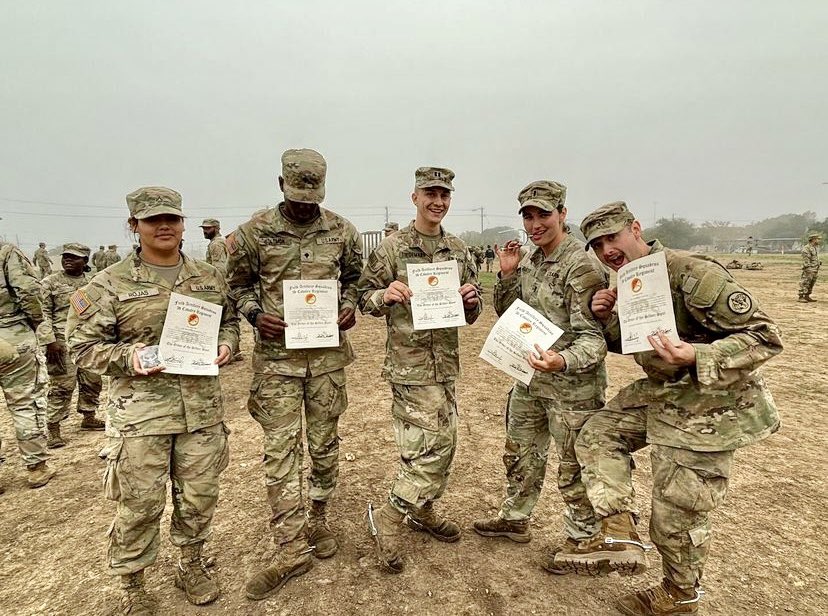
(474, 209)
(386, 214)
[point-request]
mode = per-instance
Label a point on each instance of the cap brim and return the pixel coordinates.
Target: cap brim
(538, 203)
(304, 195)
(74, 253)
(157, 211)
(437, 184)
(609, 231)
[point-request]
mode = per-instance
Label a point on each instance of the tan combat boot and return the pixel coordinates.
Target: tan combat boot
(516, 530)
(386, 527)
(53, 439)
(320, 536)
(661, 600)
(134, 599)
(425, 519)
(192, 577)
(617, 547)
(90, 422)
(548, 560)
(292, 559)
(40, 474)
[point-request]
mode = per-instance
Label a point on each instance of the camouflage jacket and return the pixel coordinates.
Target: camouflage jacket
(20, 293)
(414, 357)
(561, 287)
(110, 257)
(55, 291)
(810, 257)
(98, 259)
(721, 402)
(126, 304)
(41, 258)
(217, 254)
(269, 249)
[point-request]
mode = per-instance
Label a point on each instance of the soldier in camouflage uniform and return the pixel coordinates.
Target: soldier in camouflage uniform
(42, 260)
(97, 258)
(702, 399)
(810, 266)
(297, 240)
(558, 279)
(391, 227)
(56, 289)
(421, 367)
(110, 257)
(216, 249)
(23, 377)
(164, 426)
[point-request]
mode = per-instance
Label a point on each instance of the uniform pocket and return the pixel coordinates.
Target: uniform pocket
(417, 405)
(695, 489)
(111, 483)
(274, 399)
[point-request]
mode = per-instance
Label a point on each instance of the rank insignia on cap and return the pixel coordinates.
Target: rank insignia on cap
(80, 302)
(739, 302)
(534, 192)
(438, 175)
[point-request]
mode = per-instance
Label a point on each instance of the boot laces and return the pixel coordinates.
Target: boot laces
(195, 569)
(644, 546)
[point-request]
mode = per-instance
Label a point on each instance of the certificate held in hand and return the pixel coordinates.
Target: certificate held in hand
(189, 340)
(435, 301)
(311, 313)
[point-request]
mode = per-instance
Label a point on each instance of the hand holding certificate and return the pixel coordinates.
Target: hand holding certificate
(645, 303)
(189, 339)
(311, 312)
(435, 301)
(514, 336)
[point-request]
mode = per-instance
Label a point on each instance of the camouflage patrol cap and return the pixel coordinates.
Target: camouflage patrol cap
(303, 172)
(392, 226)
(112, 246)
(544, 194)
(814, 234)
(73, 248)
(210, 222)
(429, 177)
(153, 200)
(606, 220)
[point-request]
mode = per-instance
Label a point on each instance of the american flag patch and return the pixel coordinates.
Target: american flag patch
(80, 302)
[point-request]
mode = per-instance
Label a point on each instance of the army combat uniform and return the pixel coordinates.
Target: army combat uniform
(43, 262)
(22, 367)
(554, 404)
(694, 418)
(168, 426)
(56, 289)
(810, 269)
(110, 257)
(98, 259)
(217, 254)
(266, 251)
(421, 366)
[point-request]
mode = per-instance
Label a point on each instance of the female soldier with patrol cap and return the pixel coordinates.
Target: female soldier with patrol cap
(165, 426)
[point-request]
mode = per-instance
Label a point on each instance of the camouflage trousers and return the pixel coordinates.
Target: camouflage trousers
(687, 486)
(23, 379)
(425, 429)
(62, 381)
(276, 402)
(807, 281)
(531, 423)
(137, 470)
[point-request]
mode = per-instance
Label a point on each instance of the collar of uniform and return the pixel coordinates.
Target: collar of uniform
(655, 246)
(414, 240)
(282, 224)
(139, 272)
(557, 253)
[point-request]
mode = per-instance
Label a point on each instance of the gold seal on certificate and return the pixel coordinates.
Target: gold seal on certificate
(435, 301)
(645, 303)
(189, 340)
(311, 312)
(514, 336)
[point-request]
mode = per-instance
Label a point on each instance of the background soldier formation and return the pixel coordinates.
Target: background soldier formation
(701, 399)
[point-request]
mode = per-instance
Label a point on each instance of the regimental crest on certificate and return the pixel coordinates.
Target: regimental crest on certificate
(514, 336)
(435, 301)
(311, 313)
(645, 303)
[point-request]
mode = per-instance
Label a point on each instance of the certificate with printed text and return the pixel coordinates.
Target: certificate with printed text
(436, 301)
(514, 336)
(311, 312)
(645, 303)
(189, 340)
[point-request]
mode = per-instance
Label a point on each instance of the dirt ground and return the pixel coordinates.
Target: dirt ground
(768, 555)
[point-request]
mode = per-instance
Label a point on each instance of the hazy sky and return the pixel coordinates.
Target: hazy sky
(707, 110)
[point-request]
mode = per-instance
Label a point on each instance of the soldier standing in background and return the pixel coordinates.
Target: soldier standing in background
(56, 289)
(558, 279)
(98, 259)
(391, 227)
(490, 255)
(702, 399)
(297, 240)
(216, 249)
(421, 367)
(810, 266)
(111, 256)
(23, 375)
(42, 260)
(168, 426)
